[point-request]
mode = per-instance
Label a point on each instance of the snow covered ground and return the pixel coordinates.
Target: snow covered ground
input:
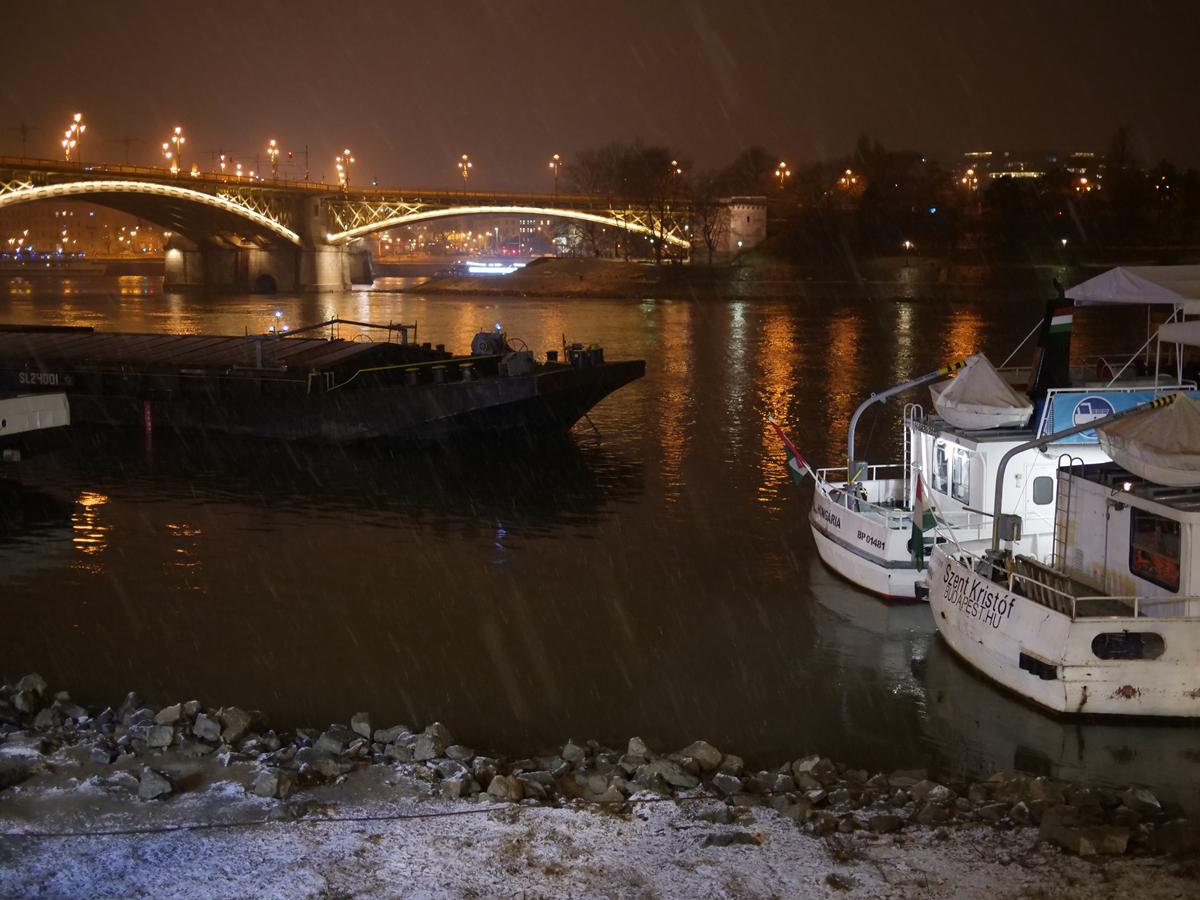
(371, 835)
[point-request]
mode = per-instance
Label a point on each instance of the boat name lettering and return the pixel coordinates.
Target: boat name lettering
(45, 379)
(875, 542)
(977, 598)
(829, 517)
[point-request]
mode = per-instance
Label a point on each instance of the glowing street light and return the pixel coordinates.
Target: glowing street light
(555, 165)
(73, 137)
(782, 172)
(343, 162)
(848, 180)
(464, 167)
(273, 155)
(173, 149)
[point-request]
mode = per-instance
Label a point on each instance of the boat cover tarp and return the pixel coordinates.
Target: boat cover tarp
(978, 397)
(1181, 333)
(1160, 445)
(1172, 285)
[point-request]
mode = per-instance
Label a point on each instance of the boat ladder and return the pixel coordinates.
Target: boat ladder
(1062, 515)
(913, 412)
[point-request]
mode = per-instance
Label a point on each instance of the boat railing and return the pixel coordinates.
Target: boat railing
(874, 473)
(1058, 591)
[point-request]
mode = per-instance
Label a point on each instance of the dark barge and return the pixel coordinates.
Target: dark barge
(311, 386)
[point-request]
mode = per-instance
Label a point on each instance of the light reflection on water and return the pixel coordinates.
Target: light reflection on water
(660, 580)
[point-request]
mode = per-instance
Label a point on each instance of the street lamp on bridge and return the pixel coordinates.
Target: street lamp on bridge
(464, 166)
(343, 169)
(173, 149)
(73, 137)
(555, 165)
(273, 154)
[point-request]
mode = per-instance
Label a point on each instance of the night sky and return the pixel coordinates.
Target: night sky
(410, 86)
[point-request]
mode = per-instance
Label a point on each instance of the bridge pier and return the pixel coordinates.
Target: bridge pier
(236, 269)
(184, 265)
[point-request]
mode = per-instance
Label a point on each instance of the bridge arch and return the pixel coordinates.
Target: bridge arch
(97, 191)
(351, 234)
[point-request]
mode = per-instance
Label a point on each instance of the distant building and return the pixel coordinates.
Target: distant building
(745, 223)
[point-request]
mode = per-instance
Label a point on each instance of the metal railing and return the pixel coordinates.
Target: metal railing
(1034, 586)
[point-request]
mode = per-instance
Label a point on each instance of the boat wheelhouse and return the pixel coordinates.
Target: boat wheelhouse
(1109, 623)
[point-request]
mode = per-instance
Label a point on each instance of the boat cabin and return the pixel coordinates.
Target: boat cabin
(1123, 546)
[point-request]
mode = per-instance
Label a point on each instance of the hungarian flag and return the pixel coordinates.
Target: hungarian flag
(922, 521)
(797, 466)
(1060, 321)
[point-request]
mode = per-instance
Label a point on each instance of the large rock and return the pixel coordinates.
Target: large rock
(27, 701)
(427, 747)
(931, 791)
(727, 785)
(637, 747)
(153, 784)
(235, 723)
(440, 733)
(206, 729)
(505, 787)
(273, 784)
(731, 764)
(169, 715)
(670, 772)
(360, 723)
(390, 735)
(160, 736)
(708, 756)
(432, 742)
(334, 741)
(33, 682)
(1142, 802)
(573, 753)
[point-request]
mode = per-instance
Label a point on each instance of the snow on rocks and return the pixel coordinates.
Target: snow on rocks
(155, 754)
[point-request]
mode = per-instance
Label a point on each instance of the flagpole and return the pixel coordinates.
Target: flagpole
(792, 447)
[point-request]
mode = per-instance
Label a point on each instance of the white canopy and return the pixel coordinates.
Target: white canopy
(977, 397)
(1174, 285)
(1181, 333)
(1160, 445)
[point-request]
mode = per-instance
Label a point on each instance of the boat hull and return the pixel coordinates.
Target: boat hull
(1047, 657)
(531, 407)
(862, 549)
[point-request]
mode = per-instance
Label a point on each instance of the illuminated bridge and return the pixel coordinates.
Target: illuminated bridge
(236, 232)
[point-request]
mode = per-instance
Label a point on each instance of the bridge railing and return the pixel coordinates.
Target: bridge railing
(438, 196)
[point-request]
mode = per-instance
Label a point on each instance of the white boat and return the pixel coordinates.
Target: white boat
(861, 515)
(1110, 622)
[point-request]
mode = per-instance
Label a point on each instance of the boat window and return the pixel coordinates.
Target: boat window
(960, 476)
(1128, 645)
(941, 467)
(1043, 490)
(1154, 548)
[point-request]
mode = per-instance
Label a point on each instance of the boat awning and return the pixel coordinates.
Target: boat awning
(1177, 286)
(1181, 333)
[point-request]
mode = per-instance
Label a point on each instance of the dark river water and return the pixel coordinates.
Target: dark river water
(656, 576)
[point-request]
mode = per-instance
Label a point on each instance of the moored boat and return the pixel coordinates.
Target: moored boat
(1110, 622)
(862, 514)
(307, 386)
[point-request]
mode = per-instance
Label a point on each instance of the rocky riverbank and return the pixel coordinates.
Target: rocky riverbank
(73, 777)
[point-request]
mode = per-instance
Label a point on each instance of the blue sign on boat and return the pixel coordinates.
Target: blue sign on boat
(1066, 409)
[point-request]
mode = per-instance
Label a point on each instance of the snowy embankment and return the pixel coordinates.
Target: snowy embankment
(184, 801)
